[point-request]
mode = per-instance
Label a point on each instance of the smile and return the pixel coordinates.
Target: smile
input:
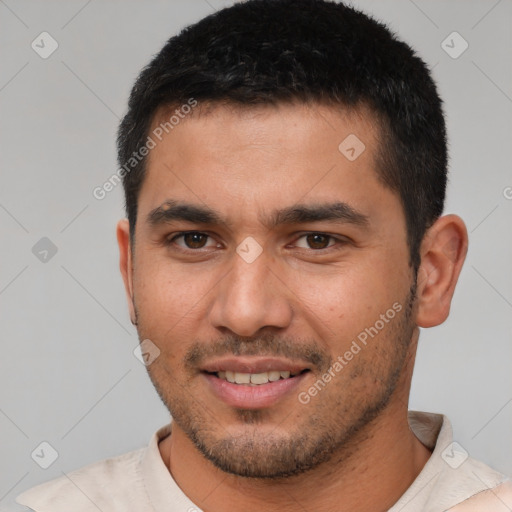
(255, 379)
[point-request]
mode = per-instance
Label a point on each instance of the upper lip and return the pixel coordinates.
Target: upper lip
(253, 365)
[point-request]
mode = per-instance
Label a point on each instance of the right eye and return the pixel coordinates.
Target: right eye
(192, 240)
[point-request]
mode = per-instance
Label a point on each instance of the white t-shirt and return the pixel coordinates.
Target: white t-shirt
(139, 481)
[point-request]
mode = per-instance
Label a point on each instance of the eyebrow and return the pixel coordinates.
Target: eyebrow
(338, 212)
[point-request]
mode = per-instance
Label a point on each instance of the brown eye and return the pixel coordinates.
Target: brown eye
(195, 240)
(316, 241)
(191, 240)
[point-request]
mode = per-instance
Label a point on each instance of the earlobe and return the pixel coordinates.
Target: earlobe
(443, 252)
(125, 263)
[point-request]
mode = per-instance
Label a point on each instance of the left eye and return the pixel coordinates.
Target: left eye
(316, 241)
(192, 240)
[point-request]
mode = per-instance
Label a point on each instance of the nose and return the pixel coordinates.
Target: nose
(251, 297)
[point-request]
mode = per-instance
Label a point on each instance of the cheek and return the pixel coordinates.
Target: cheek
(170, 298)
(346, 297)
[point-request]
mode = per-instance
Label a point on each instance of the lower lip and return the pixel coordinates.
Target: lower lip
(253, 397)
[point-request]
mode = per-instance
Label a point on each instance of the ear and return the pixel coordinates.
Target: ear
(125, 263)
(443, 251)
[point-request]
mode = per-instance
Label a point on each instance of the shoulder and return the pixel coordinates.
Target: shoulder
(113, 484)
(496, 499)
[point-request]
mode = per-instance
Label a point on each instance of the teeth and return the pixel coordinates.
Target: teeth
(273, 376)
(242, 378)
(259, 378)
(254, 379)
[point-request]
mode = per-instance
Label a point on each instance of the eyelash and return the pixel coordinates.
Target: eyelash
(169, 241)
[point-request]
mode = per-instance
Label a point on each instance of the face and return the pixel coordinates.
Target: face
(266, 255)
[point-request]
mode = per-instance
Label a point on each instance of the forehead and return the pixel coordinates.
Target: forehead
(251, 160)
(262, 122)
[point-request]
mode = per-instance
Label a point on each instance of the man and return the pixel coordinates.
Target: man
(284, 166)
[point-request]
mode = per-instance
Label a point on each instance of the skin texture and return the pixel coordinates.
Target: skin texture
(302, 298)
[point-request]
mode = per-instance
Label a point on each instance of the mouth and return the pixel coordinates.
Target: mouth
(253, 383)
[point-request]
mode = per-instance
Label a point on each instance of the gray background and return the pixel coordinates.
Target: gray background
(68, 373)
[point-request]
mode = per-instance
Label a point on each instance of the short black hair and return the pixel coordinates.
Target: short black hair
(274, 51)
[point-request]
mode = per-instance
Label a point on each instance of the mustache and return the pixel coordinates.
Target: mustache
(267, 345)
